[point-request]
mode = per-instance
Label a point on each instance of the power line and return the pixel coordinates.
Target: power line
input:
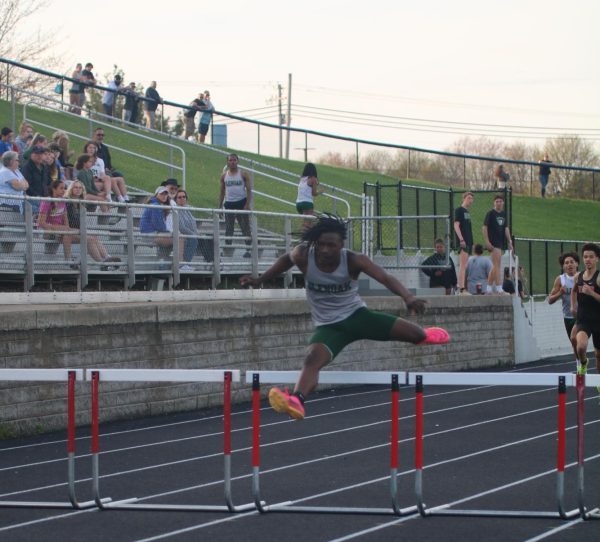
(521, 135)
(378, 115)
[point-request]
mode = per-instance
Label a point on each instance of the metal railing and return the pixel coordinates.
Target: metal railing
(227, 244)
(451, 168)
(40, 102)
(540, 256)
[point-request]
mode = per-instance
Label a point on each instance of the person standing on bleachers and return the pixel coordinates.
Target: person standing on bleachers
(236, 194)
(12, 181)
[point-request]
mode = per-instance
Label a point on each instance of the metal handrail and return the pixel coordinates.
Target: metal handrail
(96, 122)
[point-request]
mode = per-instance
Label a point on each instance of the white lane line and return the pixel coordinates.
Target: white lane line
(376, 480)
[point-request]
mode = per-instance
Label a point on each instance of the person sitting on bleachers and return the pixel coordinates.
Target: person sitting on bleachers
(104, 153)
(83, 166)
(38, 140)
(37, 175)
(12, 181)
(160, 221)
(76, 195)
(111, 184)
(6, 140)
(51, 160)
(23, 140)
(66, 154)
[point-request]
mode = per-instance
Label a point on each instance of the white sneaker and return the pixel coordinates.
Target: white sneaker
(186, 268)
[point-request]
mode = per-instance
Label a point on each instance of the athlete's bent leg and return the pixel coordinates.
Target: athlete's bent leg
(317, 357)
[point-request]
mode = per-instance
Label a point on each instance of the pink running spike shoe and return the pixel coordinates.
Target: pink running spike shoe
(282, 401)
(436, 335)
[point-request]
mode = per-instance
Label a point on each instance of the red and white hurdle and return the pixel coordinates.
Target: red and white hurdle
(70, 376)
(96, 376)
(329, 377)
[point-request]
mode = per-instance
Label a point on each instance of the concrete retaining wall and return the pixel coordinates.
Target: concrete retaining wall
(237, 334)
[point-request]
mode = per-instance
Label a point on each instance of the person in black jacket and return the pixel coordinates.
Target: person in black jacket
(151, 104)
(438, 277)
(37, 174)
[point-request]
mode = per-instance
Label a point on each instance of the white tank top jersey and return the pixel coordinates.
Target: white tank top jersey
(567, 282)
(235, 190)
(332, 297)
(304, 191)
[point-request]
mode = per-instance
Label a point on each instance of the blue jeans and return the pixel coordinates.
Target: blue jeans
(189, 249)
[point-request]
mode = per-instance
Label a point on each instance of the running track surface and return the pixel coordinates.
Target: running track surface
(477, 440)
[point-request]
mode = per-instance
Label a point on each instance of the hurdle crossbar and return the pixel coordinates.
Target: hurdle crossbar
(329, 377)
(521, 379)
(165, 375)
(583, 381)
(70, 376)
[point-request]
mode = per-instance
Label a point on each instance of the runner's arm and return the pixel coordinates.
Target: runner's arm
(555, 293)
(370, 268)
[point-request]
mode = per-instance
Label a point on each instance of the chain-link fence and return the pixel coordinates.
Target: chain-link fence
(403, 199)
(539, 259)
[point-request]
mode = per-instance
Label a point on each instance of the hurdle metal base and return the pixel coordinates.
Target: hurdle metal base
(159, 375)
(54, 375)
(331, 377)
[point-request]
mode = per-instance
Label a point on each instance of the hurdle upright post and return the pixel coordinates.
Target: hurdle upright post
(329, 377)
(53, 375)
(580, 384)
(522, 379)
(166, 375)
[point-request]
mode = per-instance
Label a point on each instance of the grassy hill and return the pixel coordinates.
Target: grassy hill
(532, 217)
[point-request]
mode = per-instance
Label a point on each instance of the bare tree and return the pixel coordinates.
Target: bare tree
(571, 151)
(32, 50)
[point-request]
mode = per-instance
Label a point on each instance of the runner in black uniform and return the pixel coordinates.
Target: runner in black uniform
(586, 293)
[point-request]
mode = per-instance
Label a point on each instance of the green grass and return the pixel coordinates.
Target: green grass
(532, 217)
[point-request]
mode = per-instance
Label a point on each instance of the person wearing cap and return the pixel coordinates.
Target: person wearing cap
(37, 175)
(172, 186)
(157, 219)
(190, 114)
(109, 97)
(206, 118)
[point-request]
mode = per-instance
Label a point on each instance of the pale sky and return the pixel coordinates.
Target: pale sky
(526, 63)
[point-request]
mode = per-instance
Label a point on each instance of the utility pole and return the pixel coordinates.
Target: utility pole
(289, 116)
(281, 120)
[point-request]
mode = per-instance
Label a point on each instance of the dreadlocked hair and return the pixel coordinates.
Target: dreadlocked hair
(326, 223)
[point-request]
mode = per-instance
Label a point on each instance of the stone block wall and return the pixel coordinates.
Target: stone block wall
(237, 334)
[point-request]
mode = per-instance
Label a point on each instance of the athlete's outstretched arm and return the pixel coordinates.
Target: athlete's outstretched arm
(281, 265)
(369, 267)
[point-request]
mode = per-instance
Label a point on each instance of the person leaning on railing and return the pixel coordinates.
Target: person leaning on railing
(12, 181)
